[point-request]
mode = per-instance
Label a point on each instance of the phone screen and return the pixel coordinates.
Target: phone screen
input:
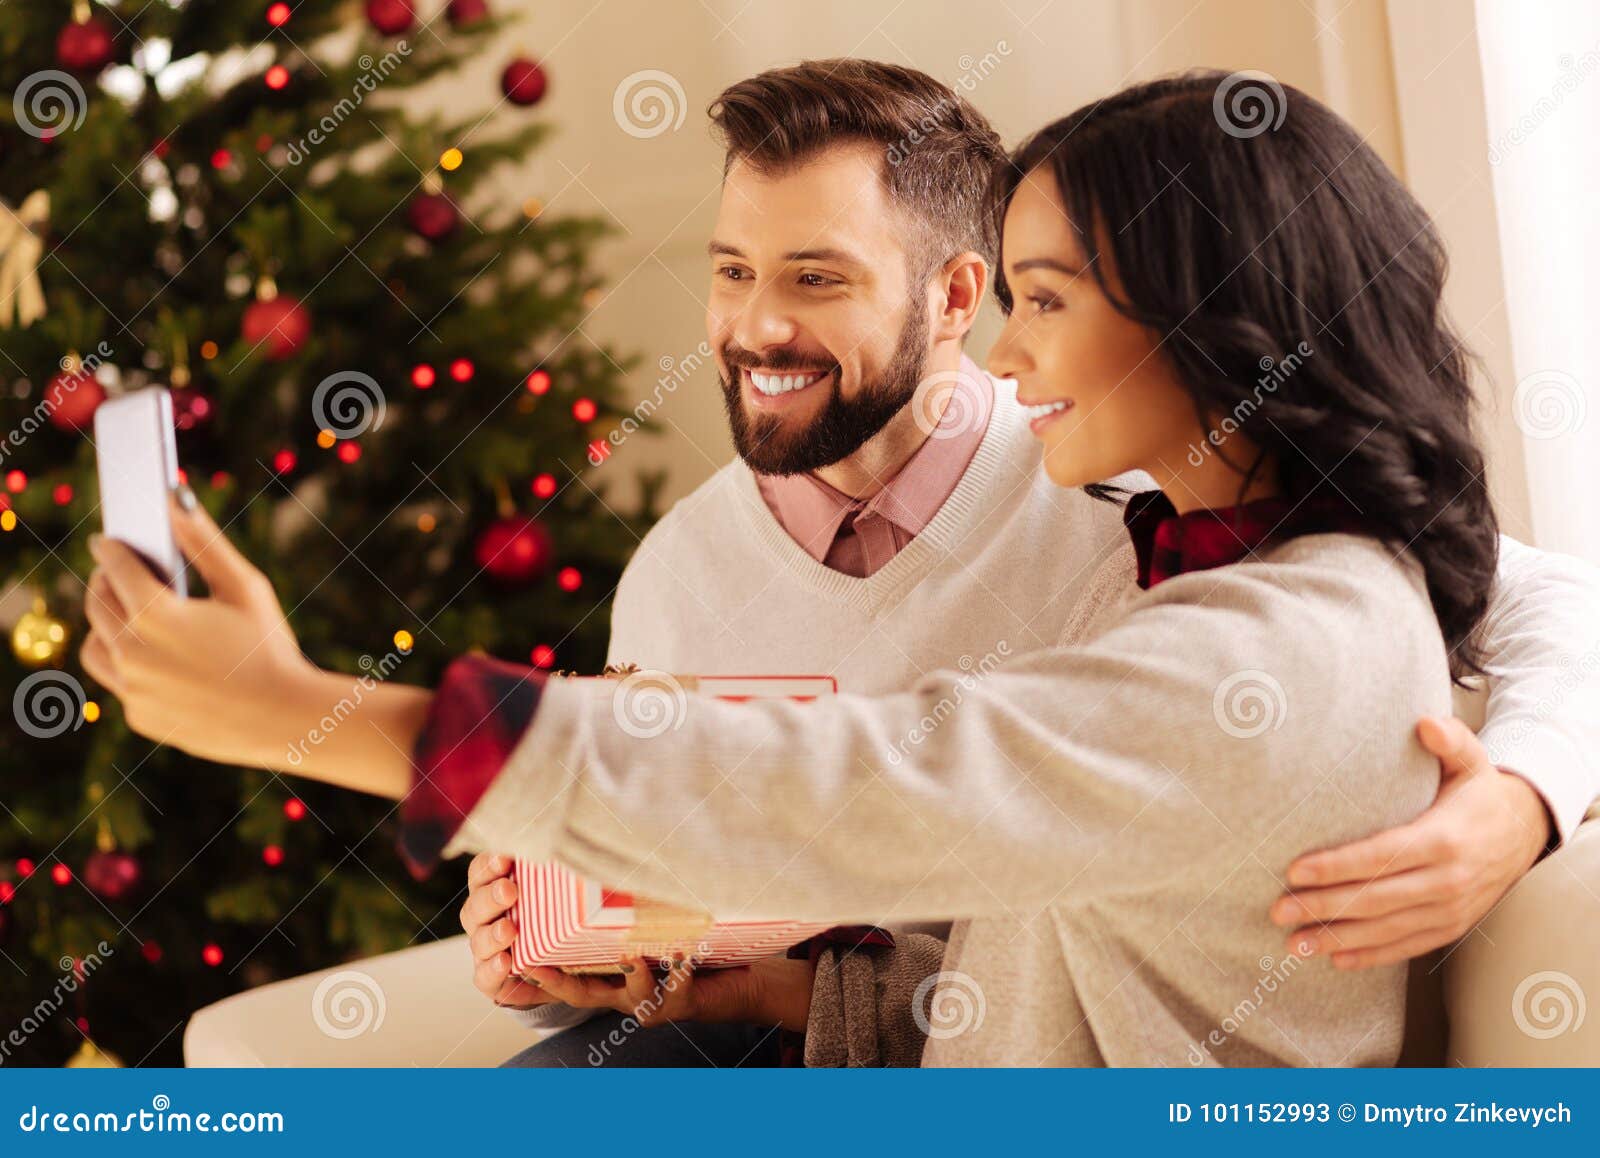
(137, 461)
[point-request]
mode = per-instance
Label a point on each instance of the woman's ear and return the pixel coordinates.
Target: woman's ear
(960, 284)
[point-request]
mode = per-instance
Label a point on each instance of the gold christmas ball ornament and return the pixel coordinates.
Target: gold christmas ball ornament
(39, 639)
(92, 1057)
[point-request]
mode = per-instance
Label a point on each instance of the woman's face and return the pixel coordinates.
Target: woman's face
(1106, 400)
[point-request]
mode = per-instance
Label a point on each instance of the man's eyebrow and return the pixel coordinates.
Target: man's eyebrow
(1050, 263)
(822, 253)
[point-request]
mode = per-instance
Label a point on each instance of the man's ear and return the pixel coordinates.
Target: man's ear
(959, 286)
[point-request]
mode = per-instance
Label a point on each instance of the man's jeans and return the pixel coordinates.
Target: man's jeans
(614, 1039)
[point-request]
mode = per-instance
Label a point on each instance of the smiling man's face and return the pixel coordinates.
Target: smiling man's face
(819, 336)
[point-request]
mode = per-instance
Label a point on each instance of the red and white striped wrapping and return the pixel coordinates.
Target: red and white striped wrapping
(574, 924)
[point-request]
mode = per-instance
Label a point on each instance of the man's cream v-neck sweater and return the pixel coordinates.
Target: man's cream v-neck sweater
(719, 587)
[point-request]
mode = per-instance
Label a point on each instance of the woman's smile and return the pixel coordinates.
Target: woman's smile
(1042, 414)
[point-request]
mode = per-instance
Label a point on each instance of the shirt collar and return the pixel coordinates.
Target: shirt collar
(1167, 543)
(812, 512)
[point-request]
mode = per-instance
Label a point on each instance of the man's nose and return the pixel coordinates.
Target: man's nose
(764, 323)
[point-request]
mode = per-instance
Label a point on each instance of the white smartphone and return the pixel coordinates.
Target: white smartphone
(137, 459)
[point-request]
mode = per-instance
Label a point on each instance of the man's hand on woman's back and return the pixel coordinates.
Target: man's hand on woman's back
(1408, 890)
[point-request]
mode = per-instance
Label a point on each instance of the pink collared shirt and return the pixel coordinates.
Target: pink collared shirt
(858, 536)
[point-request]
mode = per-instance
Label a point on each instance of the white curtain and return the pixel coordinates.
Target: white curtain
(1541, 84)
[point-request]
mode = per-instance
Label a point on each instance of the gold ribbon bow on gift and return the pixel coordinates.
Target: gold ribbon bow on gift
(21, 247)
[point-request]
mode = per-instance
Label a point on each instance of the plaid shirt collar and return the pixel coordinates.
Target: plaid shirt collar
(1167, 543)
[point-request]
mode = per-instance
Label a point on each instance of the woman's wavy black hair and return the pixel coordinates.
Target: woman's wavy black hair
(1243, 219)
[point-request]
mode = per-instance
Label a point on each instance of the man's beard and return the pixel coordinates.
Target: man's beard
(844, 423)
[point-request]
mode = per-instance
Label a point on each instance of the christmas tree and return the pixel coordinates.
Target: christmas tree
(385, 398)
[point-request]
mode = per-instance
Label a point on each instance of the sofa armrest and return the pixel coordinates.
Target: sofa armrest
(1518, 987)
(412, 1007)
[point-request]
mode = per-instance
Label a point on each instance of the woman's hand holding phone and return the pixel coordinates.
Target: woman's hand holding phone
(202, 674)
(223, 678)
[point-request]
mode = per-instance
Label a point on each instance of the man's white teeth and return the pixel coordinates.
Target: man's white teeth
(771, 384)
(1032, 412)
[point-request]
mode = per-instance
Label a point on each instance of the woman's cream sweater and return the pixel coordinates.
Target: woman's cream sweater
(1109, 818)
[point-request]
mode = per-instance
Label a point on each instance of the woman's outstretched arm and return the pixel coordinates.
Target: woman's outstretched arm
(223, 678)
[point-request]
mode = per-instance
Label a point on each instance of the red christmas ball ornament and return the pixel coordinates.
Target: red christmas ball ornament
(294, 808)
(112, 875)
(544, 486)
(278, 14)
(523, 81)
(466, 13)
(433, 216)
(85, 45)
(584, 410)
(212, 955)
(284, 461)
(514, 549)
(539, 382)
(570, 579)
(72, 398)
(150, 951)
(277, 78)
(423, 376)
(278, 325)
(272, 855)
(543, 656)
(61, 874)
(190, 408)
(391, 17)
(462, 369)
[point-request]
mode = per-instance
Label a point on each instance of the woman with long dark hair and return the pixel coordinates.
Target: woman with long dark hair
(1252, 320)
(1255, 323)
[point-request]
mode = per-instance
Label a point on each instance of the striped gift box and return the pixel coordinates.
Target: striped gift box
(578, 925)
